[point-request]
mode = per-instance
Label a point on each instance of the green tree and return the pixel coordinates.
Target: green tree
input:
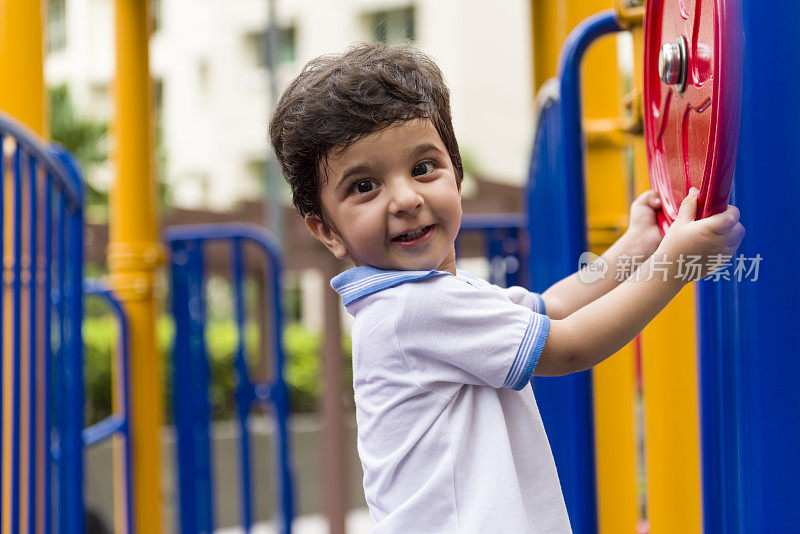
(84, 137)
(87, 140)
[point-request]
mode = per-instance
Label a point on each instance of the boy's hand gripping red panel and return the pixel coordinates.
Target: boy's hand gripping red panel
(692, 96)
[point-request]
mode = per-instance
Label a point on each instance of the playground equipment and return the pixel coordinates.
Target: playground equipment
(747, 467)
(720, 451)
(41, 206)
(191, 375)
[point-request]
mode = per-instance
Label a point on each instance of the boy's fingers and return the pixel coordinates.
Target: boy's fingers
(655, 200)
(688, 208)
(723, 222)
(648, 197)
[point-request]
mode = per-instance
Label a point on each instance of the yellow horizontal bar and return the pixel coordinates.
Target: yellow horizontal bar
(630, 13)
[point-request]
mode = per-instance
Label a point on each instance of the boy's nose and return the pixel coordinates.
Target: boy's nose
(405, 199)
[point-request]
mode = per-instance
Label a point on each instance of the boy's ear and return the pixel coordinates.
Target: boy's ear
(323, 233)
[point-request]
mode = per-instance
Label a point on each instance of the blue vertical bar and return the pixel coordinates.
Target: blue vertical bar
(72, 444)
(494, 254)
(280, 397)
(61, 355)
(719, 370)
(34, 339)
(755, 488)
(244, 389)
(3, 332)
(71, 438)
(125, 365)
(501, 244)
(48, 350)
(511, 248)
(181, 392)
(190, 383)
(17, 307)
(566, 402)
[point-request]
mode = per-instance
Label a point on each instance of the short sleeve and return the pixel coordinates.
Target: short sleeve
(523, 297)
(450, 331)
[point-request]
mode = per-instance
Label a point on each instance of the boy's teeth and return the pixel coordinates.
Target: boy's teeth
(412, 235)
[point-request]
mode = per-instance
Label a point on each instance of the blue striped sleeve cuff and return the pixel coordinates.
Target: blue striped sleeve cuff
(528, 353)
(538, 304)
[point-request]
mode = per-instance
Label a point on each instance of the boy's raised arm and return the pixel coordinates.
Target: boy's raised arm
(602, 327)
(636, 245)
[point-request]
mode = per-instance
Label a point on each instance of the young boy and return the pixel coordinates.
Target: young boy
(449, 436)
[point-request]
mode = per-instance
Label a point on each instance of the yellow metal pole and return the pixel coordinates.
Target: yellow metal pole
(607, 198)
(134, 254)
(607, 201)
(22, 95)
(22, 92)
(672, 449)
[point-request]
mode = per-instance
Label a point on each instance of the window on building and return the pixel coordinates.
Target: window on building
(56, 25)
(256, 43)
(257, 174)
(155, 15)
(391, 25)
(202, 77)
(158, 100)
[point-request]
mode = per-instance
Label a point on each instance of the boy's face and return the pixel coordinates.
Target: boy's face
(390, 200)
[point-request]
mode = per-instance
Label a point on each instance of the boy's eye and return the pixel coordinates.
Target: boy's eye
(425, 167)
(364, 186)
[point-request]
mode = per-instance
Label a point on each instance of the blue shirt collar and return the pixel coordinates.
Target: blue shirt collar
(359, 282)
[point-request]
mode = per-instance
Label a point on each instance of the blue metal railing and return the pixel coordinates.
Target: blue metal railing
(46, 224)
(191, 374)
(557, 222)
(117, 423)
(504, 245)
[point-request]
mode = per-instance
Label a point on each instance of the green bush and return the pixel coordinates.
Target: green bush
(302, 369)
(99, 335)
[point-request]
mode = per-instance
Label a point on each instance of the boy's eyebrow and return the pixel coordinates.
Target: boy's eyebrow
(363, 167)
(424, 147)
(351, 171)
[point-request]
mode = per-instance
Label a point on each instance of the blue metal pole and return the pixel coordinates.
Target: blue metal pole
(61, 355)
(48, 350)
(280, 394)
(72, 444)
(116, 423)
(181, 392)
(750, 430)
(33, 295)
(244, 389)
(566, 402)
(190, 382)
(17, 307)
(3, 332)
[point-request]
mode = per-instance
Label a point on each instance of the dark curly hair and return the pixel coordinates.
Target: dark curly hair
(338, 99)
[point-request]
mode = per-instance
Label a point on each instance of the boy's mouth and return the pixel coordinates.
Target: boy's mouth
(414, 235)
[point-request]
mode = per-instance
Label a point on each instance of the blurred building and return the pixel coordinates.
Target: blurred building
(211, 90)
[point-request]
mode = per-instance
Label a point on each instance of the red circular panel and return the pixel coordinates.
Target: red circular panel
(692, 135)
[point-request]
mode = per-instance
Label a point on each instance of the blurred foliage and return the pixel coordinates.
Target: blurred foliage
(302, 370)
(84, 137)
(87, 139)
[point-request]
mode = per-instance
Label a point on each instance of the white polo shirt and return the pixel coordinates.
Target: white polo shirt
(449, 434)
